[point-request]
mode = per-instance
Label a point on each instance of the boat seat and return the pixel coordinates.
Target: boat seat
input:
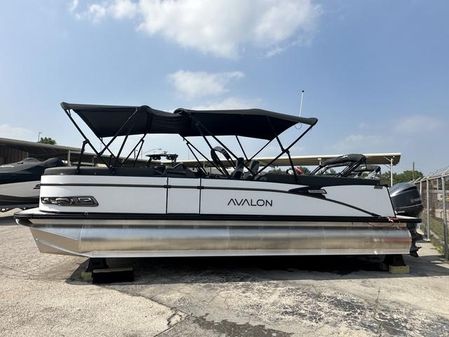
(104, 171)
(316, 180)
(238, 171)
(159, 169)
(152, 171)
(254, 167)
(179, 170)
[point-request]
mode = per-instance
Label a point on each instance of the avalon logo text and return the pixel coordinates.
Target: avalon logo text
(250, 202)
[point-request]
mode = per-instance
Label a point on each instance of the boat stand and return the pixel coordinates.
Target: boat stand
(98, 272)
(416, 237)
(96, 263)
(395, 264)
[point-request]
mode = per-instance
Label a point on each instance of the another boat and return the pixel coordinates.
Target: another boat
(19, 182)
(158, 210)
(348, 165)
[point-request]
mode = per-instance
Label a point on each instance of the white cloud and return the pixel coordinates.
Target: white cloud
(123, 9)
(361, 143)
(8, 131)
(96, 12)
(219, 27)
(274, 51)
(279, 20)
(73, 5)
(228, 103)
(417, 124)
(200, 84)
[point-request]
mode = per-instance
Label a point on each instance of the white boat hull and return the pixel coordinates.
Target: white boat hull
(162, 195)
(160, 216)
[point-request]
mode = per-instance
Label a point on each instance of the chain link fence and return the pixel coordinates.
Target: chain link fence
(434, 190)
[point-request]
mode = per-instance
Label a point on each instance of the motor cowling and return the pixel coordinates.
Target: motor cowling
(407, 201)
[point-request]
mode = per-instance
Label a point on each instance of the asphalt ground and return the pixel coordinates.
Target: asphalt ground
(43, 295)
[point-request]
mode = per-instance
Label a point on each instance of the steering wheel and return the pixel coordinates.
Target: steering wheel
(217, 161)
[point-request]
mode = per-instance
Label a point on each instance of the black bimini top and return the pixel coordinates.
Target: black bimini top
(111, 120)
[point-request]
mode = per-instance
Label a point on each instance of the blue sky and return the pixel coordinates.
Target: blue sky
(375, 73)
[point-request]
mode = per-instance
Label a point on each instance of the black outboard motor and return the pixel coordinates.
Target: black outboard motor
(407, 201)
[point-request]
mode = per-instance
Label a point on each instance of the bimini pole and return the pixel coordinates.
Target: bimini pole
(288, 147)
(300, 114)
(67, 111)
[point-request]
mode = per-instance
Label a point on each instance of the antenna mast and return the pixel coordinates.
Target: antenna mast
(300, 104)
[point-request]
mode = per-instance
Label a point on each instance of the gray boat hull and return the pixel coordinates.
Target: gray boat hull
(153, 238)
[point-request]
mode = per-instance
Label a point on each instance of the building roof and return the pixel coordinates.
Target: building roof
(314, 160)
(39, 150)
(44, 151)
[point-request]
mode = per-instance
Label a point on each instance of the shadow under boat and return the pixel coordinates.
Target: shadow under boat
(269, 268)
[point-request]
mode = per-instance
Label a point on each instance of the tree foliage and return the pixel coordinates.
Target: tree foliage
(47, 140)
(407, 175)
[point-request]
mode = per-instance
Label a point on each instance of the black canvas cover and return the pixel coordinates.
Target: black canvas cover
(109, 120)
(28, 169)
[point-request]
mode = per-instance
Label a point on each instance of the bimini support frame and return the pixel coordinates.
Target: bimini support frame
(202, 130)
(287, 150)
(86, 140)
(205, 132)
(114, 160)
(190, 146)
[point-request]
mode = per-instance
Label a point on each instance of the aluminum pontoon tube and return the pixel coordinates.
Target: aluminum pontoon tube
(159, 241)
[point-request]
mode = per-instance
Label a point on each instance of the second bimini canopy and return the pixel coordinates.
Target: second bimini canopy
(111, 120)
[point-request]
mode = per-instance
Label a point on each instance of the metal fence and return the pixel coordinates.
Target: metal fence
(434, 190)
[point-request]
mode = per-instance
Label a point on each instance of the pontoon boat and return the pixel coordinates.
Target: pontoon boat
(171, 210)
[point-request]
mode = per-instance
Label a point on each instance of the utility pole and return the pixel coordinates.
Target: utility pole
(391, 171)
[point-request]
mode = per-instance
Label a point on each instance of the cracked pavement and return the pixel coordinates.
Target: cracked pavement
(42, 295)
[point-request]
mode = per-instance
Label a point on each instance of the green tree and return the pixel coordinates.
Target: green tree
(47, 140)
(407, 175)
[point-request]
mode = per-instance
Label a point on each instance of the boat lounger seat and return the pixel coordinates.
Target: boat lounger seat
(316, 180)
(104, 171)
(158, 171)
